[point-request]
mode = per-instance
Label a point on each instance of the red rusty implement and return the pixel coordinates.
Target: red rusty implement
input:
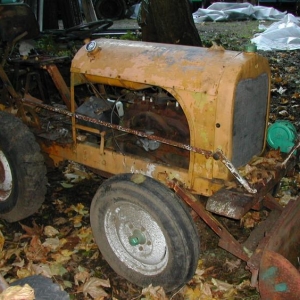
(279, 276)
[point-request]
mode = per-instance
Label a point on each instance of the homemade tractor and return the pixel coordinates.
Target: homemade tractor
(167, 124)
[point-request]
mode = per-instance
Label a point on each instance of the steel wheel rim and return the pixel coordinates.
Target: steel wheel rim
(123, 222)
(6, 179)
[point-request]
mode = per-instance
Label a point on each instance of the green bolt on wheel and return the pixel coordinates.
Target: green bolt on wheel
(137, 238)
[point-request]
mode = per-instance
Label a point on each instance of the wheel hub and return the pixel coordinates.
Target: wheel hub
(5, 178)
(136, 238)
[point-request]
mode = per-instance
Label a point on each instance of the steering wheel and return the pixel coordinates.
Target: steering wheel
(84, 31)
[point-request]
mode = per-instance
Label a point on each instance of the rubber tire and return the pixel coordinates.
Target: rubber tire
(110, 9)
(50, 15)
(44, 288)
(27, 166)
(70, 13)
(169, 212)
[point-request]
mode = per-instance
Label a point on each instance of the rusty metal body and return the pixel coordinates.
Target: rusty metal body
(186, 116)
(279, 257)
(202, 97)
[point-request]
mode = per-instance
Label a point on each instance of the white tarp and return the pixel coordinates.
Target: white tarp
(281, 35)
(222, 11)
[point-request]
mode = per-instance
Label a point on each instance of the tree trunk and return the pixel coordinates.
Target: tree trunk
(168, 21)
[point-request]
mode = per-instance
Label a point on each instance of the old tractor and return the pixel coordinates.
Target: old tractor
(167, 125)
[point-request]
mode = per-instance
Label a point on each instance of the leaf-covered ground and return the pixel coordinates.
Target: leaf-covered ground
(57, 241)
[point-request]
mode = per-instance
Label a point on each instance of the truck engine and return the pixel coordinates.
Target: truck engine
(151, 111)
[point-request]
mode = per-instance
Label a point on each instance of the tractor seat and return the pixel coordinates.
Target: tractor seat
(18, 23)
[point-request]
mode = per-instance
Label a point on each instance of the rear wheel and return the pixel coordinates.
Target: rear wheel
(50, 14)
(22, 170)
(144, 231)
(70, 13)
(110, 9)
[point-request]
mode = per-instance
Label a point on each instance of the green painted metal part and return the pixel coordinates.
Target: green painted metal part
(251, 48)
(282, 135)
(137, 238)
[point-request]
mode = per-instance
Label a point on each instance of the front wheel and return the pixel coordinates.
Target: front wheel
(22, 170)
(144, 231)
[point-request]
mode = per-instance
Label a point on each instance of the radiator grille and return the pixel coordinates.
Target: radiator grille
(249, 119)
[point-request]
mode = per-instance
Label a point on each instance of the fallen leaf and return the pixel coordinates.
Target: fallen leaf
(67, 284)
(281, 90)
(41, 269)
(230, 294)
(95, 256)
(296, 96)
(285, 199)
(77, 221)
(244, 284)
(18, 293)
(206, 290)
(200, 292)
(58, 269)
(200, 271)
(230, 185)
(62, 257)
(79, 208)
(18, 264)
(12, 252)
(232, 264)
(221, 285)
(256, 216)
(32, 231)
(154, 293)
(215, 46)
(50, 231)
(250, 219)
(2, 241)
(246, 170)
(81, 277)
(86, 239)
(35, 250)
(66, 185)
(192, 294)
(59, 205)
(22, 273)
(52, 243)
(93, 287)
(138, 178)
(70, 242)
(76, 172)
(60, 221)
